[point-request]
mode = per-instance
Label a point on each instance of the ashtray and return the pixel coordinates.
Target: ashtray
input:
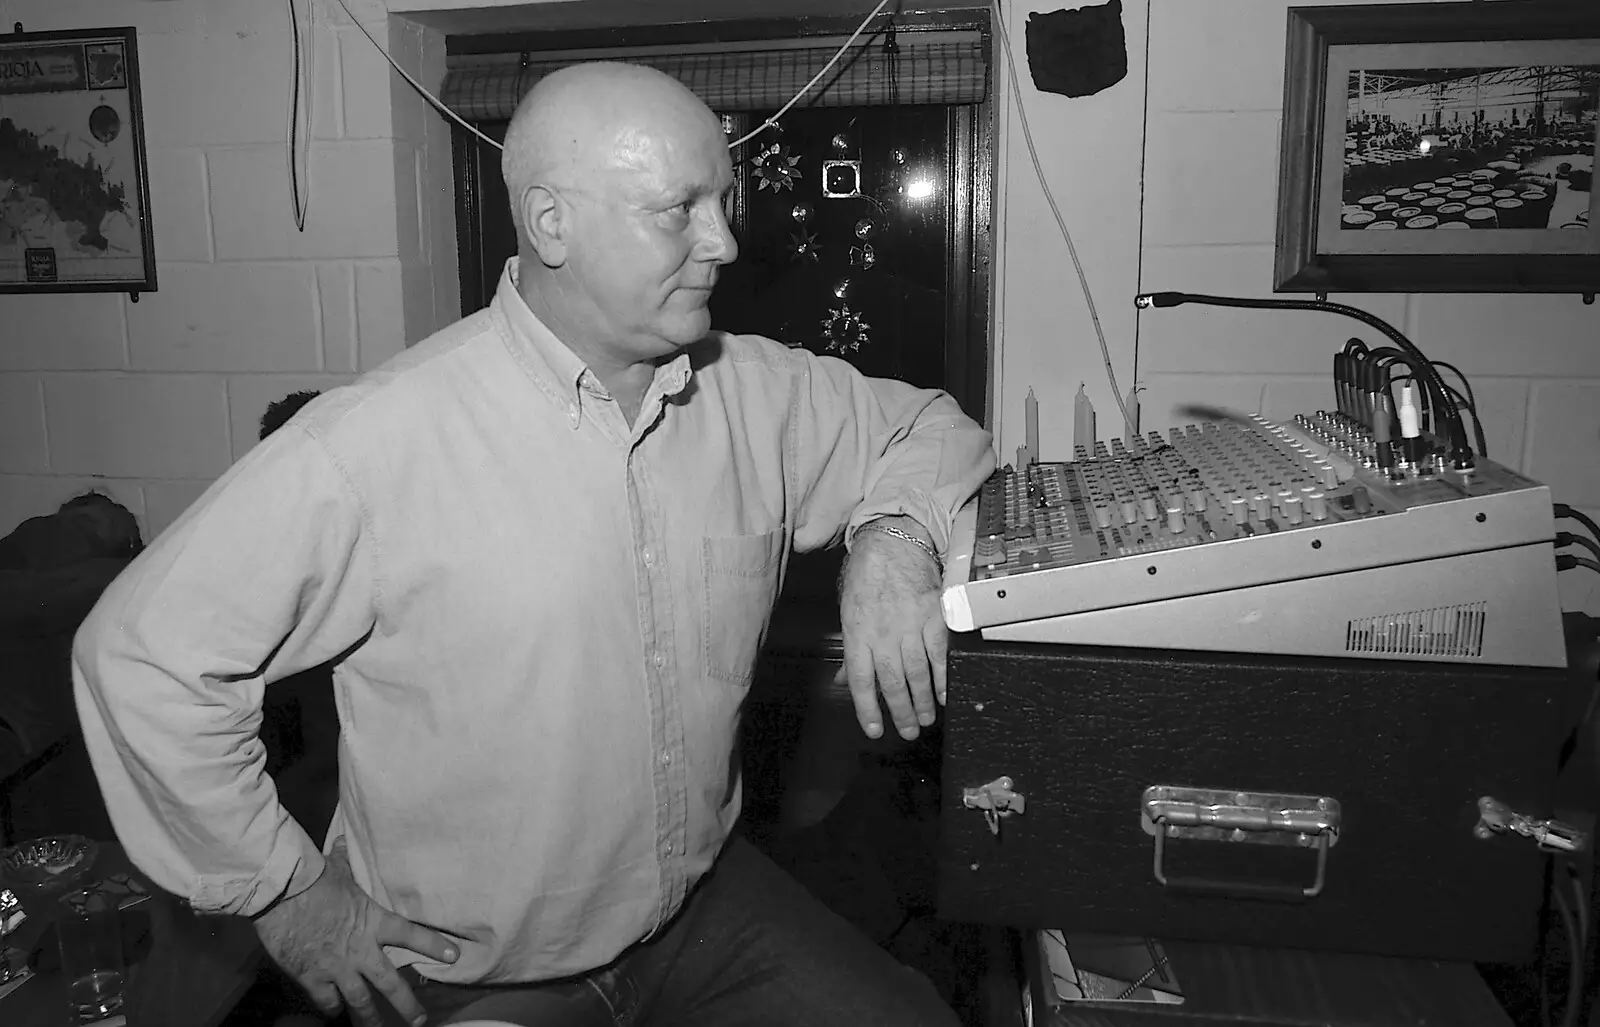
(53, 859)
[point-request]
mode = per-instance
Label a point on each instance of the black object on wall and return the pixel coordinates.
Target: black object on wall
(1078, 52)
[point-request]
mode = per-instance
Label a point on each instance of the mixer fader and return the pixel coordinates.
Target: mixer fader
(1200, 484)
(1251, 535)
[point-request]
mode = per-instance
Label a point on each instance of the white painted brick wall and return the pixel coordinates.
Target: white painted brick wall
(50, 332)
(352, 203)
(180, 191)
(23, 445)
(182, 425)
(150, 401)
(235, 316)
(336, 298)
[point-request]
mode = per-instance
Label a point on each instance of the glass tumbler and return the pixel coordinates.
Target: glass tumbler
(90, 934)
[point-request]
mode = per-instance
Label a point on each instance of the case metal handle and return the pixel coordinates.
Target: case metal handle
(1259, 818)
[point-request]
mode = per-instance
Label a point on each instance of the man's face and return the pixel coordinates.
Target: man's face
(650, 237)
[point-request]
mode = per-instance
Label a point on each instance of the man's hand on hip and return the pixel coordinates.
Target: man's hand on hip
(330, 938)
(894, 633)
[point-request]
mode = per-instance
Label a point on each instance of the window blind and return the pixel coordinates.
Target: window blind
(930, 68)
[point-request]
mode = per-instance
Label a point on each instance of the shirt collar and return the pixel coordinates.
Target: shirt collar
(549, 360)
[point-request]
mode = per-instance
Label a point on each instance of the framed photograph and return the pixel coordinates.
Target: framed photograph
(1440, 147)
(74, 190)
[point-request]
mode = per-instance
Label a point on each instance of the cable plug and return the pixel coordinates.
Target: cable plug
(1567, 538)
(1566, 561)
(1565, 512)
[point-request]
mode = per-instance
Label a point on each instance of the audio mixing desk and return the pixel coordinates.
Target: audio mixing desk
(1251, 536)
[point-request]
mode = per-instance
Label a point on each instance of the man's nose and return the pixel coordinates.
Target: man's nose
(718, 243)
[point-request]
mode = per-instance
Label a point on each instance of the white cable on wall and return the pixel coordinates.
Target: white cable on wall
(1061, 222)
(770, 122)
(301, 109)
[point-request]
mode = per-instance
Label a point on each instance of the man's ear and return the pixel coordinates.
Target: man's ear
(547, 219)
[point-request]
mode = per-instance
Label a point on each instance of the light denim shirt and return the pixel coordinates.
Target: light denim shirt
(548, 622)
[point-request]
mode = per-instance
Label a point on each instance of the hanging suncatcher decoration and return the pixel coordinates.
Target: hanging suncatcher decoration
(775, 169)
(844, 329)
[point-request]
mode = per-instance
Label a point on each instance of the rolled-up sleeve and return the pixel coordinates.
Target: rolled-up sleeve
(877, 447)
(269, 573)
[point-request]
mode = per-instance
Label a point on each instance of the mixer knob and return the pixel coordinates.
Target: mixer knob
(1330, 477)
(1239, 511)
(1130, 512)
(1197, 500)
(1102, 515)
(1147, 507)
(1175, 519)
(1291, 508)
(1317, 505)
(1260, 506)
(1361, 500)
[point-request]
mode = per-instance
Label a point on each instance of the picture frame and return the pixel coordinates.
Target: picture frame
(1493, 106)
(74, 182)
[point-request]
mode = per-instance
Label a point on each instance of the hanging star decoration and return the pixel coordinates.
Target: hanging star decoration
(803, 244)
(775, 168)
(844, 329)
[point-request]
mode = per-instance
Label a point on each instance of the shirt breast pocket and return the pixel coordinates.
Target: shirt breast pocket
(741, 584)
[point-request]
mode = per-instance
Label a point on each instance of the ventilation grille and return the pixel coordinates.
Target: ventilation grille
(1442, 631)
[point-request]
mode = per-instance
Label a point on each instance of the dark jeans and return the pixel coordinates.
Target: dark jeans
(751, 946)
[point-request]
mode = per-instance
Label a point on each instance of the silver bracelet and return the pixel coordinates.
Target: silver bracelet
(889, 529)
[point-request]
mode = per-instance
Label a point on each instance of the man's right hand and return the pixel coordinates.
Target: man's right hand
(330, 938)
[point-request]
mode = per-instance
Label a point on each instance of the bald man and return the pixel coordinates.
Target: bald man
(542, 546)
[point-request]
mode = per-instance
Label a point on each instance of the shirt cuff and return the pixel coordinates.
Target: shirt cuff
(293, 865)
(919, 506)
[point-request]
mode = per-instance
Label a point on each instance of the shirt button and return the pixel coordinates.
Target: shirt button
(658, 660)
(666, 758)
(669, 848)
(649, 558)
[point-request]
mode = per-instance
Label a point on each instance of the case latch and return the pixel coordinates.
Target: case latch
(995, 800)
(1495, 817)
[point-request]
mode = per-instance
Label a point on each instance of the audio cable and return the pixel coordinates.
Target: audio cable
(1460, 450)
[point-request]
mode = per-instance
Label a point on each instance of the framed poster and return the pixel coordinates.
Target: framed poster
(1440, 147)
(74, 190)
